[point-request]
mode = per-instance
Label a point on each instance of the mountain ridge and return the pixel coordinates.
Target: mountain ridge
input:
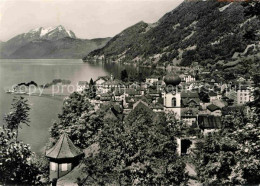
(50, 42)
(211, 33)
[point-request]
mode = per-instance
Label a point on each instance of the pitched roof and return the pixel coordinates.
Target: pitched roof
(64, 148)
(105, 78)
(141, 105)
(112, 113)
(212, 94)
(186, 101)
(113, 82)
(209, 122)
(189, 95)
(212, 107)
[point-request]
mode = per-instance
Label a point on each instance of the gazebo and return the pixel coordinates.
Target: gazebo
(63, 157)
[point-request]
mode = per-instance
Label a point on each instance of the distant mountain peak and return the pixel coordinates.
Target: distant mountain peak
(51, 33)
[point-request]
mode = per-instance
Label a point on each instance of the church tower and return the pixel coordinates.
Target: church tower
(171, 95)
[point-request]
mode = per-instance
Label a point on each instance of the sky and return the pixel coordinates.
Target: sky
(86, 18)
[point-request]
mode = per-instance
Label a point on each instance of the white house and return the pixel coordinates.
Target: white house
(189, 78)
(243, 95)
(82, 85)
(151, 80)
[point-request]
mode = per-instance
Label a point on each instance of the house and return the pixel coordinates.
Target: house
(157, 107)
(219, 96)
(190, 99)
(63, 157)
(213, 110)
(209, 123)
(119, 95)
(105, 97)
(141, 105)
(82, 85)
(100, 80)
(114, 113)
(151, 80)
(112, 84)
(189, 78)
(98, 84)
(213, 96)
(132, 93)
(241, 79)
(189, 116)
(243, 95)
(154, 93)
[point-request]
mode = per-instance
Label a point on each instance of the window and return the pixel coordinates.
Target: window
(64, 167)
(174, 102)
(53, 166)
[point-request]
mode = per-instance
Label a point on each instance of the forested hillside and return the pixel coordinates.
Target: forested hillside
(208, 32)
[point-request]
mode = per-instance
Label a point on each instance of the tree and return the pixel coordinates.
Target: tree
(91, 82)
(124, 75)
(18, 115)
(204, 97)
(91, 92)
(231, 156)
(140, 151)
(79, 119)
(17, 162)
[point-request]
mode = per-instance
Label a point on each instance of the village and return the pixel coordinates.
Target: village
(199, 104)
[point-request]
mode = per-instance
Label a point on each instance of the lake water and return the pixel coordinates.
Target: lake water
(43, 110)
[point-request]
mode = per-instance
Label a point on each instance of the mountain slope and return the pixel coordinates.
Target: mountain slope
(202, 31)
(52, 42)
(62, 48)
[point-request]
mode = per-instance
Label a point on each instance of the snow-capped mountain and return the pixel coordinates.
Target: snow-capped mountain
(50, 33)
(51, 42)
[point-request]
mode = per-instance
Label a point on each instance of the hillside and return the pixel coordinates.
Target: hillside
(62, 48)
(52, 42)
(208, 32)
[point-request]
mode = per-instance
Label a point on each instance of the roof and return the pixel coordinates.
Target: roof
(64, 148)
(153, 91)
(189, 112)
(105, 78)
(114, 82)
(153, 77)
(212, 94)
(243, 87)
(112, 113)
(143, 106)
(82, 83)
(105, 97)
(209, 122)
(132, 92)
(186, 101)
(189, 94)
(212, 107)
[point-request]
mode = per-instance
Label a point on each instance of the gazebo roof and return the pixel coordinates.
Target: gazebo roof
(64, 148)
